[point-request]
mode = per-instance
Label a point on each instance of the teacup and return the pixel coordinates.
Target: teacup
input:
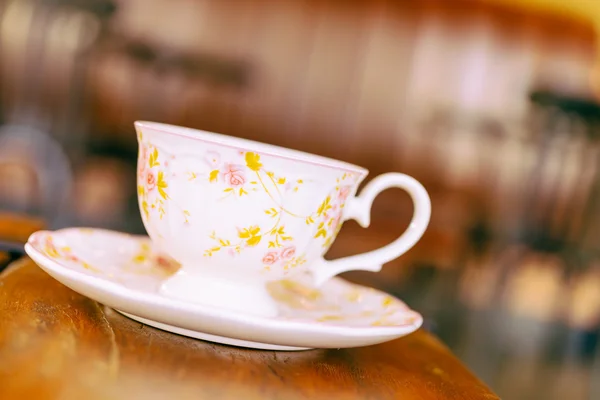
(237, 214)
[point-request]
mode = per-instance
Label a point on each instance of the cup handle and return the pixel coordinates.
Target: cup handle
(359, 209)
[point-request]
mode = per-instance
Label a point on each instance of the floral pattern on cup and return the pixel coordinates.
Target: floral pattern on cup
(286, 258)
(230, 176)
(152, 183)
(288, 252)
(242, 176)
(240, 180)
(271, 258)
(234, 175)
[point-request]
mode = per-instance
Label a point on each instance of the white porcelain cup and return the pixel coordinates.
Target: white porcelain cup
(237, 214)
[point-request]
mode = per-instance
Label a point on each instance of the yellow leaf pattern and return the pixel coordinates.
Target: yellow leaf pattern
(214, 174)
(253, 161)
(327, 216)
(153, 185)
(253, 241)
(153, 160)
(239, 179)
(324, 207)
(145, 208)
(321, 231)
(162, 185)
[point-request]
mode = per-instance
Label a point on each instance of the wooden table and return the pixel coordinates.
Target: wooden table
(57, 344)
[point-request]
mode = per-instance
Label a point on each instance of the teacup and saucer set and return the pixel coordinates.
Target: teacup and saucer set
(237, 232)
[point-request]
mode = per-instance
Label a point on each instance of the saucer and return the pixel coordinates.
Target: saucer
(125, 272)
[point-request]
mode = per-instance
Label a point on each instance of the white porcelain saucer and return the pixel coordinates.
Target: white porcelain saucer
(124, 272)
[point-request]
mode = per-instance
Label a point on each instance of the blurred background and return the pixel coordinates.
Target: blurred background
(491, 104)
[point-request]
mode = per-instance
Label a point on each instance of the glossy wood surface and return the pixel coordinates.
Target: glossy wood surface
(55, 343)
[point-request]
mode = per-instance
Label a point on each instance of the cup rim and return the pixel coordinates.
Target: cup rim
(251, 145)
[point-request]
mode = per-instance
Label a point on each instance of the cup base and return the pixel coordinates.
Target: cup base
(249, 298)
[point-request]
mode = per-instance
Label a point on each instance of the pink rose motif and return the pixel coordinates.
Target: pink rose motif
(234, 175)
(150, 180)
(270, 258)
(288, 252)
(213, 159)
(344, 192)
